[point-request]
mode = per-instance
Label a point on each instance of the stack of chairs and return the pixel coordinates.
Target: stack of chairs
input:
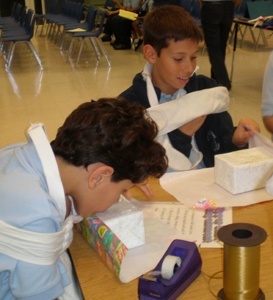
(71, 13)
(53, 10)
(15, 16)
(18, 30)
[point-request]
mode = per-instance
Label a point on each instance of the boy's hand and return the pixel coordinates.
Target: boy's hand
(245, 129)
(144, 188)
(112, 12)
(191, 127)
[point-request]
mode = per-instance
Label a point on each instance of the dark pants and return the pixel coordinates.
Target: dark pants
(216, 21)
(108, 25)
(122, 29)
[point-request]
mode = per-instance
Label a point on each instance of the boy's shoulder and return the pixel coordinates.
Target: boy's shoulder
(137, 91)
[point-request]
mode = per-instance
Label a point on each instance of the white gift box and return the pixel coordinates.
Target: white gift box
(126, 221)
(244, 170)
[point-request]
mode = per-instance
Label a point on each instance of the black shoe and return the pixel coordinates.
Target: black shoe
(112, 43)
(139, 43)
(121, 46)
(106, 38)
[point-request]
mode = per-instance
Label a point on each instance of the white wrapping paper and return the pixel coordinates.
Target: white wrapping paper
(243, 171)
(126, 221)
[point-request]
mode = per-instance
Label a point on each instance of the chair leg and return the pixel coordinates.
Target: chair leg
(10, 55)
(80, 52)
(4, 50)
(103, 50)
(48, 28)
(43, 26)
(62, 39)
(96, 48)
(32, 48)
(264, 37)
(261, 34)
(70, 49)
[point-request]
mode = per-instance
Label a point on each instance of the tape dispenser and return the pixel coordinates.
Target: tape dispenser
(179, 267)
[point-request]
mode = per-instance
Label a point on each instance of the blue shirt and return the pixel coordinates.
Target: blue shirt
(25, 203)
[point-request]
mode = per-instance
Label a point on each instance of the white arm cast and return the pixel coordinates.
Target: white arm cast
(171, 115)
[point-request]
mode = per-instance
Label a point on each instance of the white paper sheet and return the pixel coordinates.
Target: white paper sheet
(259, 140)
(189, 187)
(199, 226)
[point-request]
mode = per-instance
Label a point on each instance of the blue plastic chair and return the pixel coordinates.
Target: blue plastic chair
(18, 28)
(72, 12)
(11, 18)
(94, 37)
(53, 10)
(87, 25)
(21, 37)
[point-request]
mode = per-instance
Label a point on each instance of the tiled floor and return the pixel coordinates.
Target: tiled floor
(28, 95)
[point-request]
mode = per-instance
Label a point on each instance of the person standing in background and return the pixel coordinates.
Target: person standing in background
(267, 95)
(216, 20)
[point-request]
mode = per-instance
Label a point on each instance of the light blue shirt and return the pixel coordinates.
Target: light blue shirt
(131, 3)
(25, 203)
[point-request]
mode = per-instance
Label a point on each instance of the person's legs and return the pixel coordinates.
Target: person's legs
(211, 17)
(122, 30)
(226, 24)
(108, 32)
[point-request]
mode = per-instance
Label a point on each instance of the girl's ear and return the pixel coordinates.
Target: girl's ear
(98, 175)
(149, 53)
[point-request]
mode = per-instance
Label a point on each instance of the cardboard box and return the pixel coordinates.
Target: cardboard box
(113, 232)
(244, 170)
(126, 221)
(102, 239)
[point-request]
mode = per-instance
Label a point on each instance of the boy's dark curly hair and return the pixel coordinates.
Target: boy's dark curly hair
(114, 132)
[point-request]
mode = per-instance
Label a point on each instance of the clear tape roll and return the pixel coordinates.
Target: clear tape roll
(169, 266)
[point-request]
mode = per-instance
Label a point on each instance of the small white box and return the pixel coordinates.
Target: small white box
(244, 170)
(126, 221)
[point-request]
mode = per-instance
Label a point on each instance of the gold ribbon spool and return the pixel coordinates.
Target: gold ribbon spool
(241, 261)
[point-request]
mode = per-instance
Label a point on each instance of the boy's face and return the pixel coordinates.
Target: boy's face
(102, 196)
(175, 65)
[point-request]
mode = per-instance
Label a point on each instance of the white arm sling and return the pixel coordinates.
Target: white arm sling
(171, 115)
(34, 247)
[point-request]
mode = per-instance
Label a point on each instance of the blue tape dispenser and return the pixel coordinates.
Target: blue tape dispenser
(178, 268)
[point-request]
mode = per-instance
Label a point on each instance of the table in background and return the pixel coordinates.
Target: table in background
(98, 283)
(261, 34)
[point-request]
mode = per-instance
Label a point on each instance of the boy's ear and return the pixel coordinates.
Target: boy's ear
(98, 175)
(149, 53)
